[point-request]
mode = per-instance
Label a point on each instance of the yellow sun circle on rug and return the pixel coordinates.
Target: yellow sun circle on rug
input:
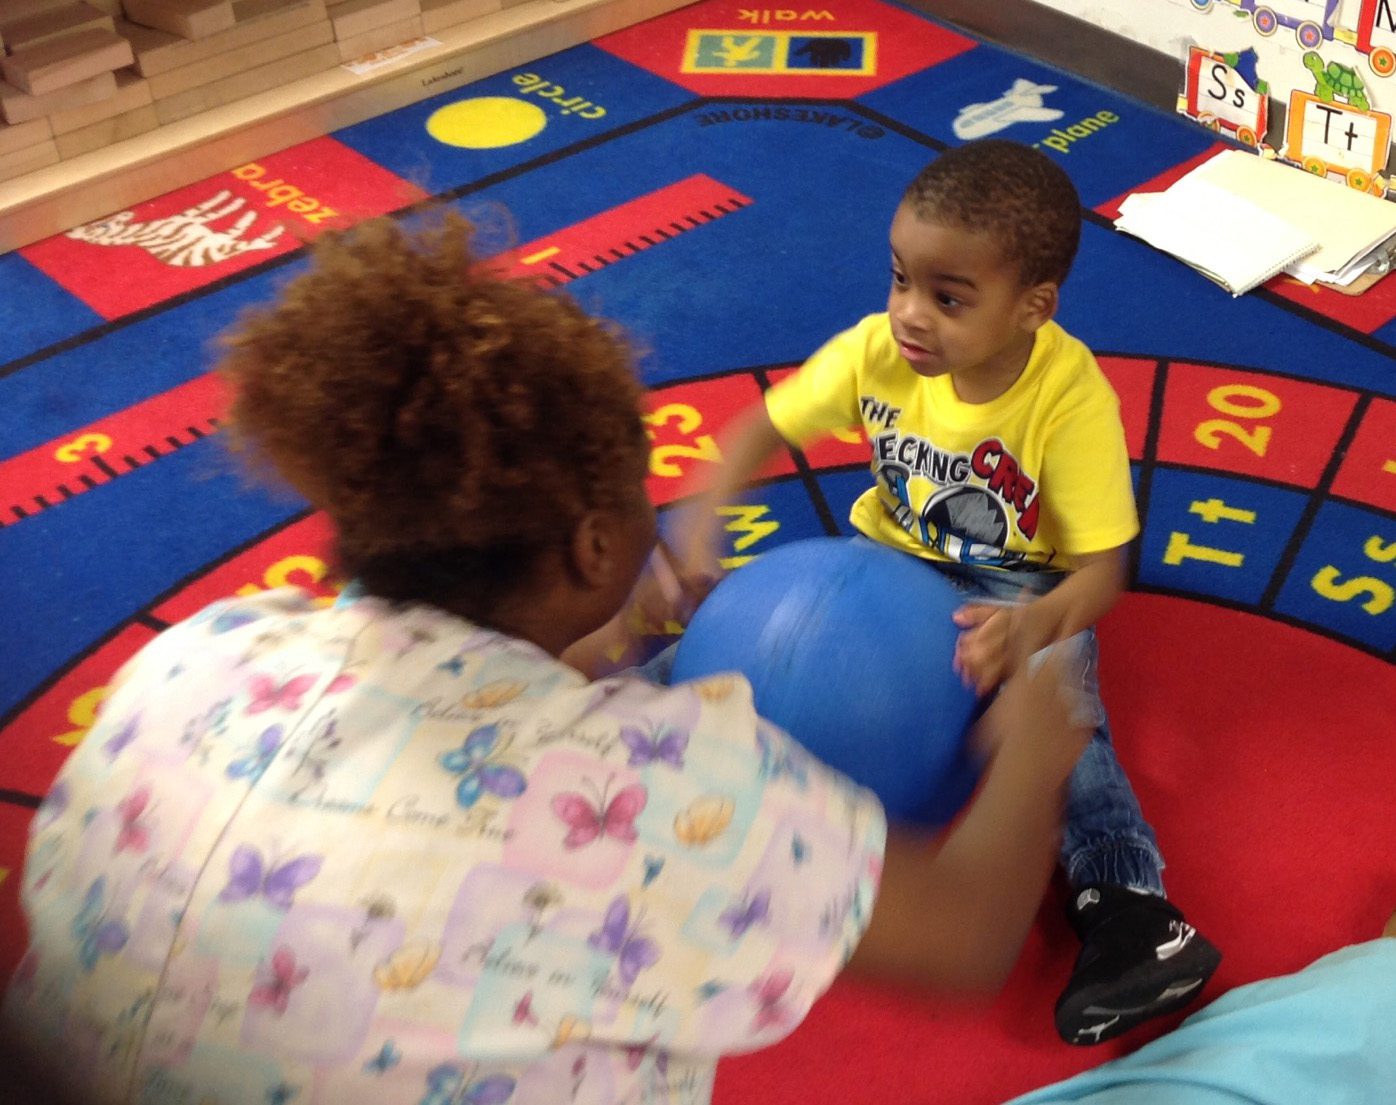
(486, 122)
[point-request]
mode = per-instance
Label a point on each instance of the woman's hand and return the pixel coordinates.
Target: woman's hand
(1030, 721)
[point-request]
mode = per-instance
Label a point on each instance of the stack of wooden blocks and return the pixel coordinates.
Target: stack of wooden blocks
(64, 66)
(80, 75)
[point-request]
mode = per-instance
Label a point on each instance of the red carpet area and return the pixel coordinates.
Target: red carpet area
(724, 194)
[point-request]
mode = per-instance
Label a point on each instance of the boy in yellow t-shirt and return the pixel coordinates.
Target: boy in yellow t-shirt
(998, 457)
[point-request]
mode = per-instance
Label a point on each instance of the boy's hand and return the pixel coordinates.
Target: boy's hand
(998, 640)
(697, 574)
(678, 586)
(987, 651)
(692, 557)
(660, 605)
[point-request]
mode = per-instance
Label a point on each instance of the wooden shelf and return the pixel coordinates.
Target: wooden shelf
(59, 197)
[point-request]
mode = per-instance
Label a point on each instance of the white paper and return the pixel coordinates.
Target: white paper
(1347, 224)
(1221, 235)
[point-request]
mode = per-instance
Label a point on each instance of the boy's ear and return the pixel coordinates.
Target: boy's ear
(1038, 305)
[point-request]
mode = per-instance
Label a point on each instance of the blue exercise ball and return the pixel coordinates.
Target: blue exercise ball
(848, 647)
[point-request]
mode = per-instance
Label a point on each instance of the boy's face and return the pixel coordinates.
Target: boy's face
(957, 306)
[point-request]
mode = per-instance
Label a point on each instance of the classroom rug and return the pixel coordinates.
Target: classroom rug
(720, 182)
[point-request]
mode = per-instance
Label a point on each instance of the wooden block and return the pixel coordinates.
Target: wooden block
(247, 83)
(19, 107)
(107, 132)
(12, 11)
(132, 91)
(63, 61)
(21, 136)
(65, 19)
(51, 200)
(380, 38)
(186, 18)
(352, 18)
(240, 60)
(28, 160)
(437, 14)
(158, 52)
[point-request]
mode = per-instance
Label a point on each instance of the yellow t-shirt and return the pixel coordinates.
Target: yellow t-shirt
(1027, 481)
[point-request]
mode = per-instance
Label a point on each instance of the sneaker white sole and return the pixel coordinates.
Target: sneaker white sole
(1171, 991)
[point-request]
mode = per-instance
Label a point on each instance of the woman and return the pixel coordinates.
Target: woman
(395, 849)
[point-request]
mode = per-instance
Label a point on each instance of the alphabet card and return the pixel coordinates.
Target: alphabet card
(1339, 140)
(1224, 93)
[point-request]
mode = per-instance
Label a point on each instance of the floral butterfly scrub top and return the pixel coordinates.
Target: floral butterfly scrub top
(376, 853)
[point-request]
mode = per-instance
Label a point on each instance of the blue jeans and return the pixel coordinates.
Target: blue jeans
(1105, 839)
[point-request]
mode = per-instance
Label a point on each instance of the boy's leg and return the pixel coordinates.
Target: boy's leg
(1139, 957)
(1105, 838)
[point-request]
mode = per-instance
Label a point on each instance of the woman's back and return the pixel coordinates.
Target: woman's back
(378, 853)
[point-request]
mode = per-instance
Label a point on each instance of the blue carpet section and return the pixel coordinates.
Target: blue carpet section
(400, 142)
(1386, 334)
(840, 490)
(767, 284)
(1252, 551)
(129, 362)
(789, 500)
(35, 312)
(1351, 553)
(76, 571)
(1109, 158)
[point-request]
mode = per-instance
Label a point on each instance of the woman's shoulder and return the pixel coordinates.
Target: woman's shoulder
(238, 611)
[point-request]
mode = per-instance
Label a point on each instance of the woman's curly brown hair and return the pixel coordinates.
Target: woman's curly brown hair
(451, 422)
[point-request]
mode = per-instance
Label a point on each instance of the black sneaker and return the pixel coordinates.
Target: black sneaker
(1139, 959)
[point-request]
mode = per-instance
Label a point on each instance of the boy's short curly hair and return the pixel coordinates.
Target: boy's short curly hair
(1012, 192)
(451, 422)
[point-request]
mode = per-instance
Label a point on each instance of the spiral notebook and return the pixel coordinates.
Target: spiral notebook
(1347, 223)
(1223, 236)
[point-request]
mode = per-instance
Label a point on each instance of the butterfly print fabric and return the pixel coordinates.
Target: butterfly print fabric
(372, 852)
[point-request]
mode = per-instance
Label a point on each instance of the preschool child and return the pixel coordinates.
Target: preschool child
(998, 457)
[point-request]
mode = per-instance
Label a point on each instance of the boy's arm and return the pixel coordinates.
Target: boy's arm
(1078, 602)
(746, 445)
(821, 396)
(998, 640)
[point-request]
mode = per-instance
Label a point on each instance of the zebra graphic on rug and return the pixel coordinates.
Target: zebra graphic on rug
(186, 240)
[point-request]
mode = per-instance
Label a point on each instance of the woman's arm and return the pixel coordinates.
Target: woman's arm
(955, 916)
